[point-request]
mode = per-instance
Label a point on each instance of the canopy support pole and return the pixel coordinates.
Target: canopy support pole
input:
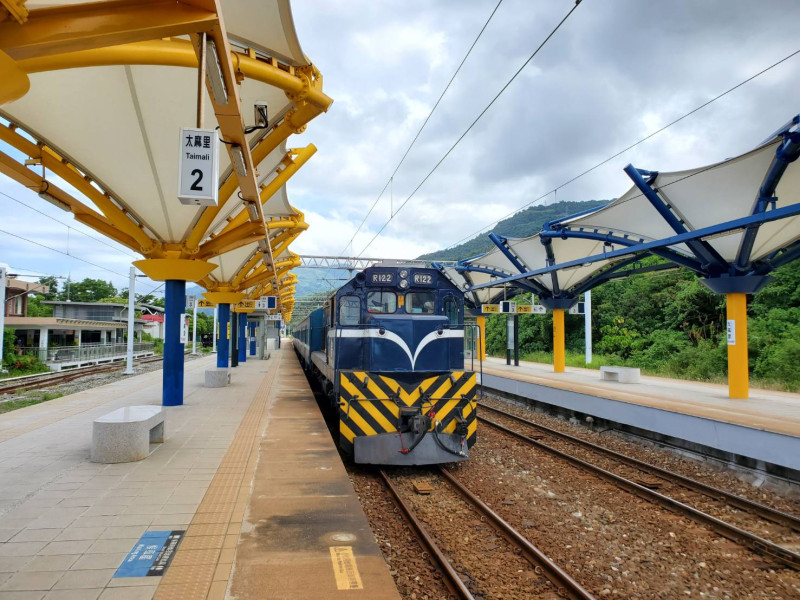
(242, 345)
(482, 343)
(172, 383)
(224, 317)
(559, 360)
(738, 365)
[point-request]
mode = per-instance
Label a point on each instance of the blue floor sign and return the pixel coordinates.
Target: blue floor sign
(151, 555)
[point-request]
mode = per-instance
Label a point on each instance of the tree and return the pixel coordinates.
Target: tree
(52, 284)
(88, 290)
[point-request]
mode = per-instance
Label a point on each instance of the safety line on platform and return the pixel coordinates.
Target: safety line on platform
(204, 561)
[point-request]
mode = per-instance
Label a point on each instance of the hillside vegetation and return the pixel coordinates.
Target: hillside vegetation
(522, 224)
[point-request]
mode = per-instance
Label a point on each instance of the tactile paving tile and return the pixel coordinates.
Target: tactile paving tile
(211, 537)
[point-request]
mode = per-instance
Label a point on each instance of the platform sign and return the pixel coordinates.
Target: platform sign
(203, 303)
(261, 304)
(490, 308)
(184, 329)
(190, 301)
(531, 309)
(198, 167)
(152, 554)
(578, 309)
(272, 317)
(246, 305)
(272, 302)
(731, 332)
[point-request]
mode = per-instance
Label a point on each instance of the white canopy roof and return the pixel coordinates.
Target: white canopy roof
(700, 199)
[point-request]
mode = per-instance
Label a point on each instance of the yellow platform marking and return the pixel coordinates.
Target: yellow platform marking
(345, 569)
(202, 567)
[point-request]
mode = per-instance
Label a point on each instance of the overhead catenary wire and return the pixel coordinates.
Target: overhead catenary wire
(430, 114)
(474, 122)
(624, 150)
(67, 225)
(88, 262)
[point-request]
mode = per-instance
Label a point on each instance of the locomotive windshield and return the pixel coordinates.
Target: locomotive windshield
(420, 303)
(349, 310)
(381, 302)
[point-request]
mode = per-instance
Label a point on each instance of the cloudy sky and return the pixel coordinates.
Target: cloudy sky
(615, 72)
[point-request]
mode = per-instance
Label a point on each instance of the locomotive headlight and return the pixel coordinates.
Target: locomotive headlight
(403, 283)
(403, 274)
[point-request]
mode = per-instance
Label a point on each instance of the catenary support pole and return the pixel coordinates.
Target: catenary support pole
(3, 273)
(131, 315)
(558, 340)
(223, 335)
(252, 333)
(587, 323)
(738, 367)
(242, 345)
(194, 328)
(214, 332)
(234, 340)
(172, 388)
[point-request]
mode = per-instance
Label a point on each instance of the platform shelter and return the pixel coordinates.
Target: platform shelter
(731, 223)
(93, 99)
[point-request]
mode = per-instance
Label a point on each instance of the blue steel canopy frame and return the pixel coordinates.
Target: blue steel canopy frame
(689, 247)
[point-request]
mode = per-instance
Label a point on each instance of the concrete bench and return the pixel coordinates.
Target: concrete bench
(125, 435)
(620, 374)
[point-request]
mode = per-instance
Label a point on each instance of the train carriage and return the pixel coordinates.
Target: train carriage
(388, 348)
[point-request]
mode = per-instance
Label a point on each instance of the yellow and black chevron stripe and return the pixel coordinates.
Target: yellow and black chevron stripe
(369, 403)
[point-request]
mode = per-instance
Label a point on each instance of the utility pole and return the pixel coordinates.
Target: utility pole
(131, 298)
(3, 272)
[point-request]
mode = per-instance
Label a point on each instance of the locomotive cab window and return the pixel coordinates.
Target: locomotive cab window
(420, 303)
(349, 310)
(450, 309)
(381, 302)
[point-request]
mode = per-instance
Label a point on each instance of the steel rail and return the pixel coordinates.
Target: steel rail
(35, 382)
(451, 579)
(567, 587)
(766, 512)
(745, 538)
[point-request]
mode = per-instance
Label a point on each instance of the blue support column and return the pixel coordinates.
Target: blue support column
(172, 381)
(223, 321)
(252, 334)
(242, 337)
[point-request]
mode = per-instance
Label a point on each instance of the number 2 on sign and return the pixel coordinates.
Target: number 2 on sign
(195, 186)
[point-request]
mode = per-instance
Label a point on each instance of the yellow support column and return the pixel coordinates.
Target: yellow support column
(482, 341)
(559, 361)
(738, 365)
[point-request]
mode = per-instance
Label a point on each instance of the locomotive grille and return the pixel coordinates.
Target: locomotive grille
(369, 403)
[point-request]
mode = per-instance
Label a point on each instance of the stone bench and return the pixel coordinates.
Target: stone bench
(125, 435)
(217, 377)
(620, 374)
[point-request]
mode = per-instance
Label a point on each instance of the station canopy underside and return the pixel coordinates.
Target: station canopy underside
(736, 219)
(103, 115)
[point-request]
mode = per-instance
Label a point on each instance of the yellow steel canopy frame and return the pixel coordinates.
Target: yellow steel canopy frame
(136, 32)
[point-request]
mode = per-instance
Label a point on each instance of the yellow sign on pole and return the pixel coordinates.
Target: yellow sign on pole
(203, 303)
(490, 308)
(246, 304)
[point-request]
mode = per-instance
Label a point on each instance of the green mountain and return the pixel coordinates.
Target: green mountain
(522, 224)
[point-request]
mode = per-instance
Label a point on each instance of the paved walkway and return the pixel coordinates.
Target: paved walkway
(66, 524)
(766, 410)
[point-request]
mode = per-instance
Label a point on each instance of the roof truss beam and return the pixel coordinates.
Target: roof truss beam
(76, 27)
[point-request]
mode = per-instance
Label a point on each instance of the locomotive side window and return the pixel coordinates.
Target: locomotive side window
(381, 302)
(420, 303)
(349, 310)
(450, 309)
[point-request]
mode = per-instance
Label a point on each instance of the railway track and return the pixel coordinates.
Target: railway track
(547, 580)
(42, 380)
(554, 442)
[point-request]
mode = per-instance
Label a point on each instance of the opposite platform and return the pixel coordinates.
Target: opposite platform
(67, 524)
(763, 431)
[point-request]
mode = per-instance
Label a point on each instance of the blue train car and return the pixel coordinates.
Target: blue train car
(388, 348)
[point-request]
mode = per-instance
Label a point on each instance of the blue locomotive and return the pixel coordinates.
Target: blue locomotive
(388, 349)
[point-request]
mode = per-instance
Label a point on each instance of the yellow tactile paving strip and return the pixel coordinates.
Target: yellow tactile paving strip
(204, 560)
